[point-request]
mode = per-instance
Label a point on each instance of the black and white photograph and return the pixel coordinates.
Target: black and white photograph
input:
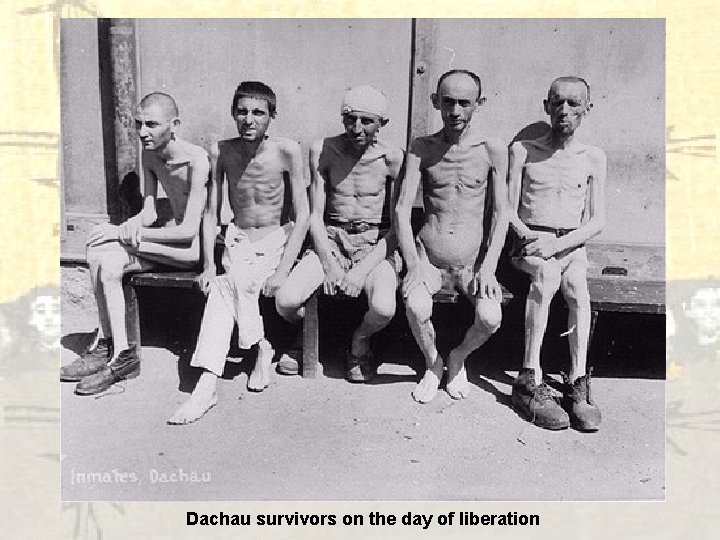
(364, 260)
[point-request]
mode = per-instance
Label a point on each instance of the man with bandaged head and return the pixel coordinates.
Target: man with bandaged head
(353, 177)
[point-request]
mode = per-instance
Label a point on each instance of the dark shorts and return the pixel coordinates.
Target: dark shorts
(352, 247)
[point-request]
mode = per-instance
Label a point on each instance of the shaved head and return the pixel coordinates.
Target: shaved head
(573, 80)
(456, 72)
(165, 102)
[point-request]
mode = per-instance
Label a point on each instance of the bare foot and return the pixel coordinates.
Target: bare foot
(427, 387)
(259, 378)
(457, 383)
(203, 398)
(459, 387)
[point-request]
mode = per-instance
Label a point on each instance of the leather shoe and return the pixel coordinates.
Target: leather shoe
(125, 366)
(90, 361)
(536, 403)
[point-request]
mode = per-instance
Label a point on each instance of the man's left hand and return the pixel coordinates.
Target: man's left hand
(130, 231)
(486, 285)
(353, 282)
(545, 247)
(274, 282)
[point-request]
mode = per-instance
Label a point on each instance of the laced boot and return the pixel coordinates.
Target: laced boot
(536, 403)
(90, 361)
(577, 399)
(125, 366)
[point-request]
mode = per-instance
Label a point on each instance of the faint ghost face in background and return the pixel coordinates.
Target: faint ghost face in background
(704, 310)
(45, 316)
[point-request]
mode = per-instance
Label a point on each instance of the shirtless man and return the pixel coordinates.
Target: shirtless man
(182, 169)
(456, 169)
(556, 196)
(352, 185)
(259, 248)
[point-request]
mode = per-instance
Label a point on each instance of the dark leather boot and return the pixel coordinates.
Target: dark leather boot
(90, 361)
(536, 403)
(577, 399)
(125, 366)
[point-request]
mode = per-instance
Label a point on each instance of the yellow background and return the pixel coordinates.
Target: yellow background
(29, 213)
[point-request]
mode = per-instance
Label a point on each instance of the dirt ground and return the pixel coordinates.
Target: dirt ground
(326, 439)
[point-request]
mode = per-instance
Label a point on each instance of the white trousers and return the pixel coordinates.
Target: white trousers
(233, 297)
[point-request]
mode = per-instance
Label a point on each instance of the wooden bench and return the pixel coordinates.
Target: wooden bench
(181, 280)
(188, 280)
(626, 278)
(621, 278)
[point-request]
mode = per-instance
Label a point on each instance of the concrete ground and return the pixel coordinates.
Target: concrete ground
(326, 439)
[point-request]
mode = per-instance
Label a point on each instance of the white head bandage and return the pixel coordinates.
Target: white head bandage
(367, 99)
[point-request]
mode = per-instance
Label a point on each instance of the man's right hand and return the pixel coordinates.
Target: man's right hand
(334, 275)
(544, 247)
(420, 276)
(130, 231)
(486, 285)
(205, 279)
(105, 232)
(413, 279)
(525, 238)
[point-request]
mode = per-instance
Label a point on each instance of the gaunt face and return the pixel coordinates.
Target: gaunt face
(361, 128)
(154, 126)
(252, 118)
(567, 104)
(456, 99)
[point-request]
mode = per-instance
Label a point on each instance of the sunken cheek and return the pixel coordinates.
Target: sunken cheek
(360, 129)
(457, 111)
(155, 132)
(370, 131)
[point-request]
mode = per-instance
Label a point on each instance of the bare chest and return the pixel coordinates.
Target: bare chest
(361, 178)
(261, 175)
(458, 173)
(562, 173)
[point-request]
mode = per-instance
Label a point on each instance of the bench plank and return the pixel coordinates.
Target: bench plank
(641, 261)
(642, 287)
(627, 295)
(185, 280)
(452, 296)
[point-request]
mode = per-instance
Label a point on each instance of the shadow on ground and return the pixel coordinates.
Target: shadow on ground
(623, 345)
